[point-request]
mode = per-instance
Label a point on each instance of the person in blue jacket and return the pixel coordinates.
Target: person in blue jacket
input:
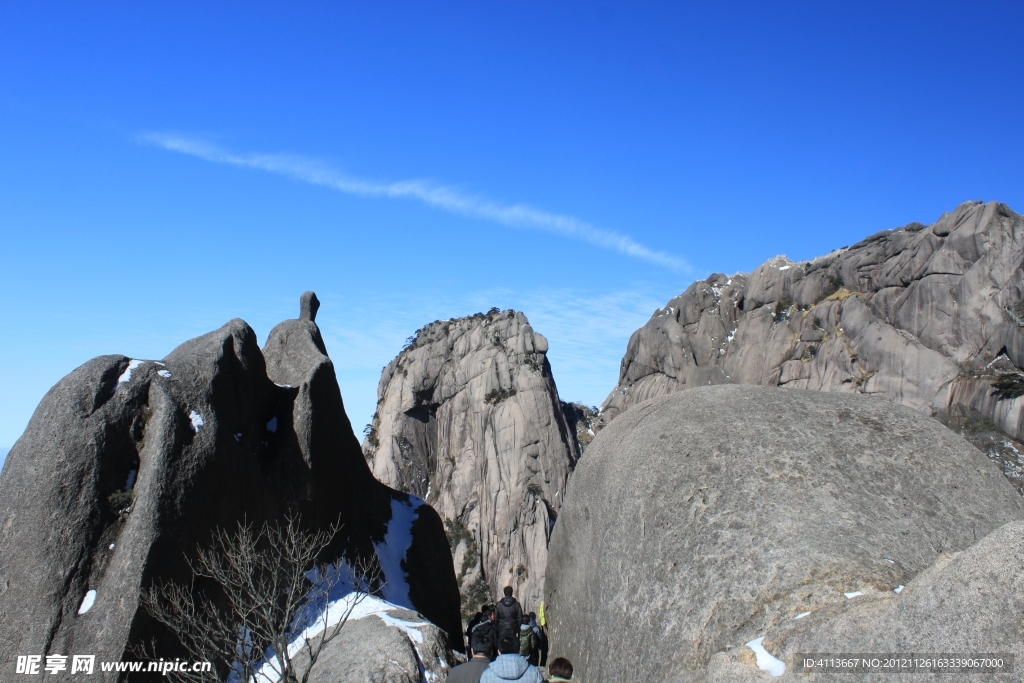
(510, 665)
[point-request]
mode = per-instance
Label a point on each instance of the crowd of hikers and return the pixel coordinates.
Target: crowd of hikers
(507, 644)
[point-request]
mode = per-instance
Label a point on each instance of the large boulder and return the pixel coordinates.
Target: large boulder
(468, 418)
(970, 602)
(382, 643)
(127, 466)
(931, 317)
(702, 520)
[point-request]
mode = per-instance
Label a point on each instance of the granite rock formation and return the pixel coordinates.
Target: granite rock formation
(469, 419)
(928, 316)
(968, 602)
(128, 465)
(584, 421)
(387, 645)
(712, 517)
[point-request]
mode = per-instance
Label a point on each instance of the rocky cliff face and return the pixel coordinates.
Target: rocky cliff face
(965, 600)
(128, 465)
(927, 316)
(709, 518)
(584, 421)
(469, 418)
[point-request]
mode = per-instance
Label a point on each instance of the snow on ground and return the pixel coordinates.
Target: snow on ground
(801, 615)
(365, 606)
(163, 373)
(765, 660)
(325, 612)
(197, 421)
(854, 594)
(395, 546)
(127, 374)
(898, 589)
(87, 602)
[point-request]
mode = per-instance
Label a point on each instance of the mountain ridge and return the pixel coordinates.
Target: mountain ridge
(931, 317)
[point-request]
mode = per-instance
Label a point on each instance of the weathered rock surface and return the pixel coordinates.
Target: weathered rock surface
(929, 317)
(584, 421)
(968, 602)
(127, 466)
(711, 517)
(469, 418)
(1004, 451)
(394, 646)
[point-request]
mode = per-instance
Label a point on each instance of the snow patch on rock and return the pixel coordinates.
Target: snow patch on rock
(395, 546)
(87, 602)
(126, 376)
(355, 605)
(765, 660)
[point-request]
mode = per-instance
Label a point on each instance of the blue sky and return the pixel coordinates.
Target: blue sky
(168, 167)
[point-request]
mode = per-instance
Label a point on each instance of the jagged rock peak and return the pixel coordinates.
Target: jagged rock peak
(128, 466)
(308, 306)
(928, 316)
(468, 417)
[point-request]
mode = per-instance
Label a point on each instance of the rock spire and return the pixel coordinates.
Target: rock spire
(128, 465)
(469, 418)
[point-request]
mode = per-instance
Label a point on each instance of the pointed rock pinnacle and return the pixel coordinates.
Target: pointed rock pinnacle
(308, 306)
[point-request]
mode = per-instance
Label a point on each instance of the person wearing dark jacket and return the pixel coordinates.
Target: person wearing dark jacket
(471, 671)
(487, 631)
(510, 615)
(542, 639)
(477, 618)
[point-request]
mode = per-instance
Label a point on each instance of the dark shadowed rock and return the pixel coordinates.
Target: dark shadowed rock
(929, 317)
(127, 466)
(308, 306)
(707, 518)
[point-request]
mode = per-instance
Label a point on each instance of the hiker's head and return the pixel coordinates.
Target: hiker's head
(484, 609)
(526, 620)
(508, 591)
(482, 645)
(561, 667)
(509, 645)
(533, 615)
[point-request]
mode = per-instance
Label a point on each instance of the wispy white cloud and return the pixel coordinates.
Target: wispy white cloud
(442, 197)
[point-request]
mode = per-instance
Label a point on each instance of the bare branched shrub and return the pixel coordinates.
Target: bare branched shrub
(264, 588)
